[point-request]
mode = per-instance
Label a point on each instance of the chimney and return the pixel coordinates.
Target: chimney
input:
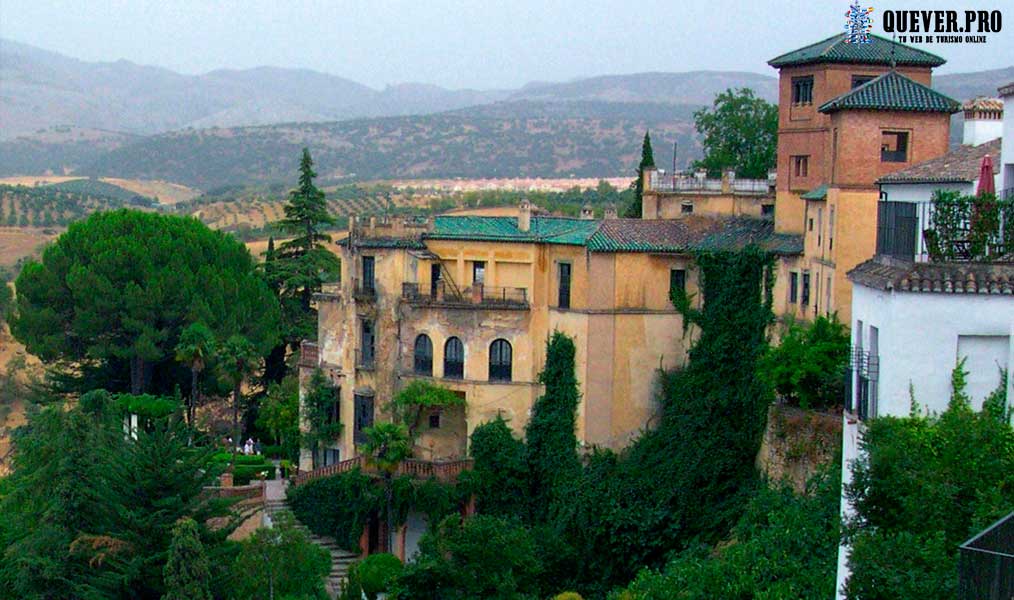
(983, 120)
(525, 215)
(611, 212)
(587, 212)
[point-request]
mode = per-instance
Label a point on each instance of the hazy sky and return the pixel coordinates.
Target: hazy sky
(462, 44)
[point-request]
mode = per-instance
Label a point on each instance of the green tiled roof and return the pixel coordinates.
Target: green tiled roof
(878, 52)
(892, 91)
(546, 230)
(691, 233)
(817, 193)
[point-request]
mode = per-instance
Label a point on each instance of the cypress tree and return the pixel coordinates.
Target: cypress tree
(187, 570)
(647, 160)
(552, 444)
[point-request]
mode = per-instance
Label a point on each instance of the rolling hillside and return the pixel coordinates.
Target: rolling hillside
(605, 141)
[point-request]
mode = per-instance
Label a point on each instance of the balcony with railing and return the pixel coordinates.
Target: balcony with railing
(364, 291)
(477, 296)
(861, 378)
(441, 470)
(949, 228)
(661, 181)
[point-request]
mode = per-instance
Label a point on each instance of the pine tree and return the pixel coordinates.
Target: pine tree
(187, 570)
(647, 161)
(300, 266)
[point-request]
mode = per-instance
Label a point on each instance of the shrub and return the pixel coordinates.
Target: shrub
(807, 368)
(921, 487)
(568, 596)
(244, 474)
(377, 572)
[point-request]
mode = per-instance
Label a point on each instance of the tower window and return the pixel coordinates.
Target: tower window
(894, 146)
(802, 90)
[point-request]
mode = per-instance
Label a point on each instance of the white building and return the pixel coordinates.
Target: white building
(912, 319)
(1007, 153)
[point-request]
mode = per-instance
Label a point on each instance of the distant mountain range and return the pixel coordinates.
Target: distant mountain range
(59, 114)
(43, 89)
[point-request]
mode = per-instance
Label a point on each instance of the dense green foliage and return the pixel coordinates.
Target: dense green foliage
(807, 368)
(280, 562)
(609, 518)
(318, 402)
(377, 573)
(419, 396)
(6, 300)
(499, 479)
(279, 415)
(968, 227)
(633, 210)
(88, 513)
(111, 297)
(921, 487)
(740, 132)
(187, 572)
(479, 557)
(784, 546)
(550, 433)
(338, 506)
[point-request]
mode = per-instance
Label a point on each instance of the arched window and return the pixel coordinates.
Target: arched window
(454, 359)
(423, 355)
(500, 358)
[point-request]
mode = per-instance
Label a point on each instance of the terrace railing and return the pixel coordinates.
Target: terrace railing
(660, 181)
(986, 563)
(442, 470)
(478, 295)
(957, 230)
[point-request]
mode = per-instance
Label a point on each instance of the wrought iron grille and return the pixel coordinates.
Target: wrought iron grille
(861, 378)
(986, 563)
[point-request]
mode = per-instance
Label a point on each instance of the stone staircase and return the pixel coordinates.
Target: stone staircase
(340, 558)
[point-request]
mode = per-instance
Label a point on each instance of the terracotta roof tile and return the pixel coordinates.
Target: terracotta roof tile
(959, 165)
(889, 274)
(983, 103)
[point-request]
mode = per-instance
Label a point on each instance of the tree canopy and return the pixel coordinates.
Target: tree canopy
(739, 131)
(113, 294)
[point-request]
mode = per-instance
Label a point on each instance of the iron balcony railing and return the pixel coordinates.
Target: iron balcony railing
(364, 291)
(986, 563)
(861, 377)
(963, 232)
(475, 295)
(366, 360)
